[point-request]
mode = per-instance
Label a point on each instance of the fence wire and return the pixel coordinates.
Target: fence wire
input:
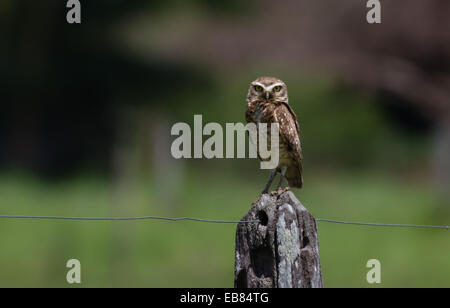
(127, 219)
(381, 224)
(211, 220)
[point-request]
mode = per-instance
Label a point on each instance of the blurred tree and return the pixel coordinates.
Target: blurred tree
(405, 59)
(61, 84)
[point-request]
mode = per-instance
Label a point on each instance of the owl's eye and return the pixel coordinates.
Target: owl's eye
(277, 89)
(258, 88)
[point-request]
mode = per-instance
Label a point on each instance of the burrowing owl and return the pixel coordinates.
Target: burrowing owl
(267, 102)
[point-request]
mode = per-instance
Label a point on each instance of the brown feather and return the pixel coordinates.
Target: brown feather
(277, 110)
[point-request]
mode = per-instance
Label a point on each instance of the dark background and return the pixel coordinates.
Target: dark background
(86, 112)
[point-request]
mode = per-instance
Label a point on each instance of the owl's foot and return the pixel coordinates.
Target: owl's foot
(279, 191)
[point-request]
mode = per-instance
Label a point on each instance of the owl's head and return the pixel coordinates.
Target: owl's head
(269, 89)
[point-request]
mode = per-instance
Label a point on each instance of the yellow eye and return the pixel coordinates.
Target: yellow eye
(277, 89)
(258, 88)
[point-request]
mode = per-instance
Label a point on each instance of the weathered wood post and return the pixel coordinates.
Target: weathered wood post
(282, 250)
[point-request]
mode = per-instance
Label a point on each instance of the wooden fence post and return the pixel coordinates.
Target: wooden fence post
(282, 250)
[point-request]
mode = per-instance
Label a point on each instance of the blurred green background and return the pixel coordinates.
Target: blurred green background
(85, 119)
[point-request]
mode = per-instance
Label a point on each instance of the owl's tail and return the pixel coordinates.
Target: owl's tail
(294, 177)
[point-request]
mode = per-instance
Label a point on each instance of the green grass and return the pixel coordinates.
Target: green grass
(190, 254)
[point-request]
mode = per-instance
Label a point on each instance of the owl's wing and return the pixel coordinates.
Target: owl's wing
(289, 132)
(294, 116)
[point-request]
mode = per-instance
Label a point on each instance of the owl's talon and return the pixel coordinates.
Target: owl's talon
(279, 191)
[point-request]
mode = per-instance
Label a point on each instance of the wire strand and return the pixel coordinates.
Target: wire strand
(127, 219)
(210, 220)
(381, 224)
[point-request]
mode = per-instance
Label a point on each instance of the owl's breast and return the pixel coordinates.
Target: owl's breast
(254, 113)
(260, 113)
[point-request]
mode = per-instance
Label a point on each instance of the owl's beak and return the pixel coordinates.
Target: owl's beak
(267, 95)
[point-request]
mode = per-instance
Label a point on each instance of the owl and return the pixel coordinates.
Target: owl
(267, 102)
